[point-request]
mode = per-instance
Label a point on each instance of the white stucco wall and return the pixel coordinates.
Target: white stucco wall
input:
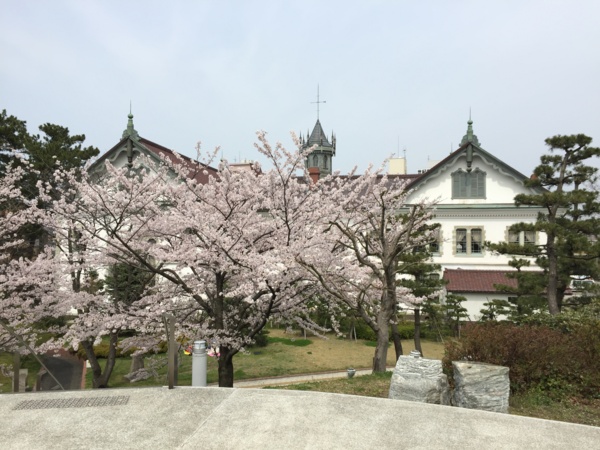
(475, 302)
(493, 214)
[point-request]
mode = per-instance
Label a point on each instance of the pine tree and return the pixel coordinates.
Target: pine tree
(422, 278)
(13, 136)
(527, 297)
(569, 220)
(125, 283)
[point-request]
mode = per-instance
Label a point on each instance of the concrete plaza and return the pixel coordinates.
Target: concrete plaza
(217, 418)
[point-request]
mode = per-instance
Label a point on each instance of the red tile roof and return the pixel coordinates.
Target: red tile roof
(197, 170)
(461, 280)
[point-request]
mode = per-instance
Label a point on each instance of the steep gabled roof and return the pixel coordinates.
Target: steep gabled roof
(154, 151)
(480, 281)
(469, 146)
(197, 169)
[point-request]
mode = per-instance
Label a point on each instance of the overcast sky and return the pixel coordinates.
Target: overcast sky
(395, 75)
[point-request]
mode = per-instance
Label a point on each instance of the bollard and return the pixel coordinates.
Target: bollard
(199, 364)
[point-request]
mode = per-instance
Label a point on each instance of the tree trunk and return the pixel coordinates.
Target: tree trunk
(553, 307)
(384, 318)
(226, 368)
(99, 377)
(383, 340)
(418, 330)
(397, 341)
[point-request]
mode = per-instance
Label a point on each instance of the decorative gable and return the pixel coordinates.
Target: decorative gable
(470, 175)
(132, 146)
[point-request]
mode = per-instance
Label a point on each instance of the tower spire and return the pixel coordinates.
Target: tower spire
(320, 159)
(470, 136)
(130, 131)
(318, 102)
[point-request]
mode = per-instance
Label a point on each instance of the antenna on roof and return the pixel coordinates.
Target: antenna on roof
(318, 102)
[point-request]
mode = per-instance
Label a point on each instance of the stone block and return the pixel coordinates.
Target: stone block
(419, 380)
(481, 386)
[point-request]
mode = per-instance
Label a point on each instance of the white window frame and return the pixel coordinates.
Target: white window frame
(469, 243)
(439, 241)
(520, 237)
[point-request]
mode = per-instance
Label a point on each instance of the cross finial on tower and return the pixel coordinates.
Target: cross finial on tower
(318, 102)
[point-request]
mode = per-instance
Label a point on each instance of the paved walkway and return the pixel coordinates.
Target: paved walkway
(219, 418)
(294, 379)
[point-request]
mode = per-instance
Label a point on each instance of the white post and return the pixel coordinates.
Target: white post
(199, 364)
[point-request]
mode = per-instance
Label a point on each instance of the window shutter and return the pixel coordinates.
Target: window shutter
(478, 184)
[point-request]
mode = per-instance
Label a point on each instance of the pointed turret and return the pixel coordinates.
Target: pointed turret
(322, 156)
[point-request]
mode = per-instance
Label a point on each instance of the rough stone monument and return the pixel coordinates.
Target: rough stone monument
(481, 386)
(418, 379)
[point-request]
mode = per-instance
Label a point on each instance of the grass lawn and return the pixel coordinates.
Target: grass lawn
(375, 385)
(575, 410)
(285, 355)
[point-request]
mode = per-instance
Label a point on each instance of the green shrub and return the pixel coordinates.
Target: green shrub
(406, 330)
(538, 356)
(364, 331)
(101, 351)
(261, 339)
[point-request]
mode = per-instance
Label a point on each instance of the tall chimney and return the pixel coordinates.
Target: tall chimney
(314, 173)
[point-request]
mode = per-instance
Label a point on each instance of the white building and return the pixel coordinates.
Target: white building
(475, 192)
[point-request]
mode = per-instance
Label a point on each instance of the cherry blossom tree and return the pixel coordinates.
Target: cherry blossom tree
(226, 256)
(370, 227)
(224, 253)
(27, 284)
